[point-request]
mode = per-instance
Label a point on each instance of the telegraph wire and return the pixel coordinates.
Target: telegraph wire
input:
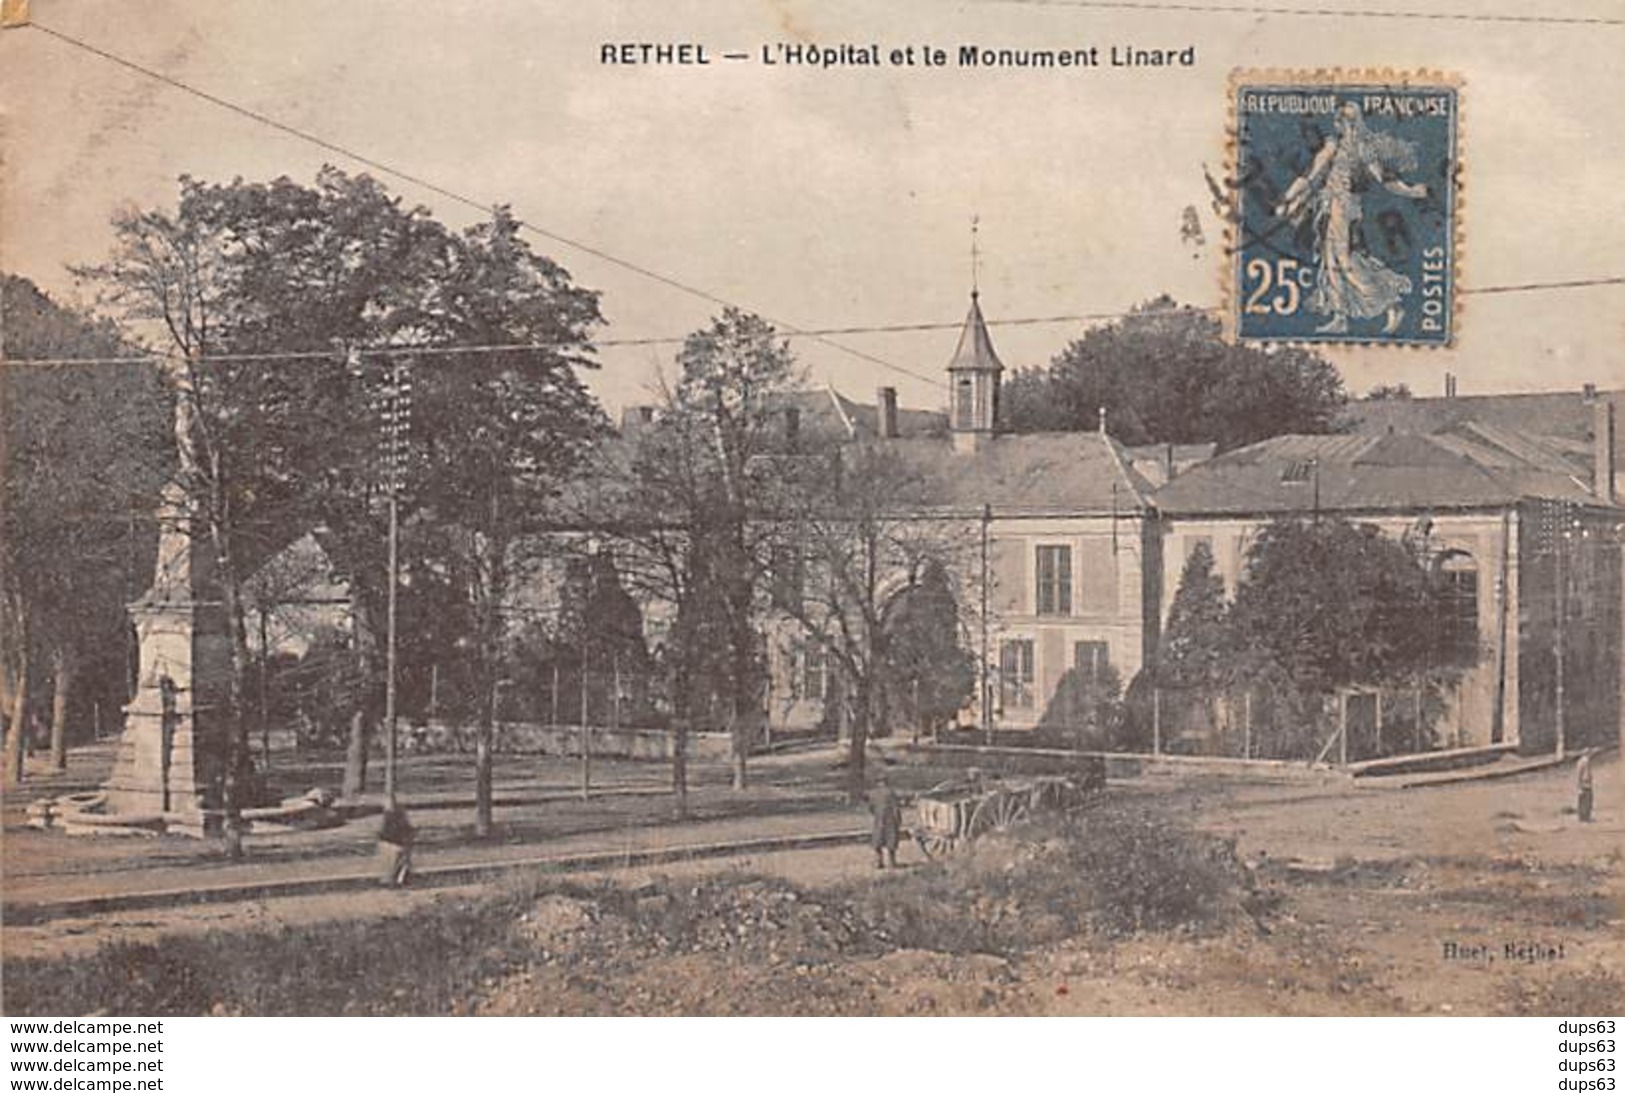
(450, 194)
(822, 335)
(609, 343)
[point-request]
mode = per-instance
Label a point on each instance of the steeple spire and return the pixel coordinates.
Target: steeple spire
(975, 257)
(973, 380)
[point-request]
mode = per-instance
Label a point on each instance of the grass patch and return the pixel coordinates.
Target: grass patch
(1108, 872)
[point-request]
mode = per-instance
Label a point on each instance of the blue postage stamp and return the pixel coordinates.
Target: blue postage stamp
(1344, 208)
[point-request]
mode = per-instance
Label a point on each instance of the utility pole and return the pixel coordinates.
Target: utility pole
(1562, 600)
(986, 697)
(586, 730)
(396, 412)
(265, 714)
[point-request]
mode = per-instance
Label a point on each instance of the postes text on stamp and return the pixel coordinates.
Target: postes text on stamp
(1344, 225)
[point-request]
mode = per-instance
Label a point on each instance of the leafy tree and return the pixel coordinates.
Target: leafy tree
(600, 631)
(703, 487)
(927, 671)
(1193, 650)
(84, 449)
(1328, 604)
(849, 513)
(1087, 709)
(241, 269)
(502, 431)
(1164, 374)
(1389, 391)
(283, 446)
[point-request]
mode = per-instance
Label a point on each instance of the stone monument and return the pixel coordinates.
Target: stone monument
(171, 753)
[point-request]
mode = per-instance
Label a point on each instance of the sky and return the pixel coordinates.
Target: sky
(841, 197)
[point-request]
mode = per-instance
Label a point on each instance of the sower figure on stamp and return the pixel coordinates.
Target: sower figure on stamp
(1582, 787)
(395, 838)
(886, 812)
(1351, 283)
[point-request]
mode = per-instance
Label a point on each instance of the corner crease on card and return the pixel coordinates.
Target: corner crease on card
(13, 13)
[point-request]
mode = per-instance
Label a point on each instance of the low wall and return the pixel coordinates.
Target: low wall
(526, 738)
(1015, 760)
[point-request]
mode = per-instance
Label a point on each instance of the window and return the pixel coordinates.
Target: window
(964, 404)
(1460, 574)
(814, 670)
(1016, 674)
(788, 574)
(1297, 472)
(1090, 659)
(1054, 580)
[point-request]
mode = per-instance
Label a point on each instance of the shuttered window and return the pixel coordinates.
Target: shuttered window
(1016, 674)
(1054, 580)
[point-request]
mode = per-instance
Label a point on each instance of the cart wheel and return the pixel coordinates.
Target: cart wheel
(934, 846)
(1000, 811)
(1048, 795)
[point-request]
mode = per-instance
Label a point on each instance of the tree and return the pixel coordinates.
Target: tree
(704, 464)
(244, 269)
(1196, 654)
(1164, 374)
(1192, 650)
(1397, 392)
(84, 448)
(504, 431)
(1328, 604)
(852, 514)
(600, 631)
(927, 672)
(342, 269)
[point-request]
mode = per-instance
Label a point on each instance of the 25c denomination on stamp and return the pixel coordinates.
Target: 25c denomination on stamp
(1346, 199)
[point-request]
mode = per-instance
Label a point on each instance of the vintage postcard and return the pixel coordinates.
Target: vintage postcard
(812, 508)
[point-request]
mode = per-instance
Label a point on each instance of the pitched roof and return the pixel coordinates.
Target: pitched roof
(1562, 415)
(1160, 462)
(1467, 467)
(975, 348)
(1027, 474)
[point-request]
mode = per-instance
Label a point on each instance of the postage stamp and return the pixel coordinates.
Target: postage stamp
(1345, 207)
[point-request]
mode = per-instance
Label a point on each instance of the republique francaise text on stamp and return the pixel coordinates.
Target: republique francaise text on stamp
(1345, 189)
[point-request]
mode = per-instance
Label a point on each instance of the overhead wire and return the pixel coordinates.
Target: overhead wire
(451, 194)
(608, 343)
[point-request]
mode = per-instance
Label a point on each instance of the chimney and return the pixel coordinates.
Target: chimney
(1588, 393)
(1602, 450)
(886, 404)
(792, 426)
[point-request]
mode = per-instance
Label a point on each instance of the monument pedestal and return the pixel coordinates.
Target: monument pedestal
(171, 753)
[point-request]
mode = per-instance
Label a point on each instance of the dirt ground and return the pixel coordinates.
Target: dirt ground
(1473, 898)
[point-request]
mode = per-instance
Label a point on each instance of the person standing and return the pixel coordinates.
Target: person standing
(1582, 786)
(886, 813)
(395, 838)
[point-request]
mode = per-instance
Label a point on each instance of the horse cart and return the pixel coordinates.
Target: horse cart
(949, 815)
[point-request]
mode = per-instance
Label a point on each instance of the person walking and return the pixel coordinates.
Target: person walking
(1582, 786)
(886, 813)
(395, 837)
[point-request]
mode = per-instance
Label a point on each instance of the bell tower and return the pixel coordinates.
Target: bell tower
(973, 381)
